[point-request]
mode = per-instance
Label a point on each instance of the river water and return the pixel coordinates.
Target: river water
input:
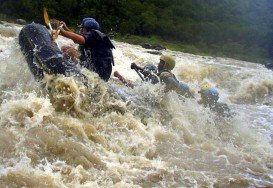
(64, 134)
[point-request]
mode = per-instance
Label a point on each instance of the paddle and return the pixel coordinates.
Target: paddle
(47, 21)
(139, 74)
(135, 67)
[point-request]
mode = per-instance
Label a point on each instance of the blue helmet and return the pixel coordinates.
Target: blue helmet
(90, 23)
(210, 96)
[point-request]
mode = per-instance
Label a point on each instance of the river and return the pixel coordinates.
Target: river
(64, 134)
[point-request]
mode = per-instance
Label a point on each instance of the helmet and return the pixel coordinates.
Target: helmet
(150, 68)
(205, 87)
(169, 62)
(90, 23)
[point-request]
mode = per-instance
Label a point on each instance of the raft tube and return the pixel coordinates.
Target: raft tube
(42, 53)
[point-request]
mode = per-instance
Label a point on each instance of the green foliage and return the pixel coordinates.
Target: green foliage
(127, 27)
(3, 17)
(235, 28)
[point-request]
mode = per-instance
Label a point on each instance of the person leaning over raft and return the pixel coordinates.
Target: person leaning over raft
(210, 97)
(166, 64)
(95, 47)
(164, 74)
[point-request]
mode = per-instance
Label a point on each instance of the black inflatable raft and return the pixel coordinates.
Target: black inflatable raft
(42, 53)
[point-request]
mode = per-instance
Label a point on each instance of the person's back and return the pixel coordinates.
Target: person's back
(169, 79)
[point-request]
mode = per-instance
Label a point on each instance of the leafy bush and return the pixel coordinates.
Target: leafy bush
(234, 28)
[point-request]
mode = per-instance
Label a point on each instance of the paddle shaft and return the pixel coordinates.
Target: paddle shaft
(47, 21)
(139, 74)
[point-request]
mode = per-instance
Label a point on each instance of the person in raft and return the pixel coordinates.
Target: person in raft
(95, 48)
(209, 98)
(162, 73)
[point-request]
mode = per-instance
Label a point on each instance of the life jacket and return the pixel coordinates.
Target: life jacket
(98, 50)
(170, 73)
(179, 87)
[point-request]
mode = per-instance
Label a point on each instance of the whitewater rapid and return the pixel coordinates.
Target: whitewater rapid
(64, 134)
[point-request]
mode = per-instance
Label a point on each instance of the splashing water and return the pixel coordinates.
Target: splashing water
(64, 134)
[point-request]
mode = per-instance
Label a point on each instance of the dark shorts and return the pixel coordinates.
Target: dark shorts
(104, 69)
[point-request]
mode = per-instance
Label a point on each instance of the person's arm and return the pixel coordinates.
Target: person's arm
(140, 69)
(136, 67)
(65, 26)
(73, 36)
(122, 79)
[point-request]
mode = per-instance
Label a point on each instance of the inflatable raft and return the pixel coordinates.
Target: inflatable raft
(42, 53)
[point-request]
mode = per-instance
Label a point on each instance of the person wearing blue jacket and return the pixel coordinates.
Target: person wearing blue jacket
(210, 97)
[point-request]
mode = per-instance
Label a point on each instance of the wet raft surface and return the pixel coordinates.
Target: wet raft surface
(42, 53)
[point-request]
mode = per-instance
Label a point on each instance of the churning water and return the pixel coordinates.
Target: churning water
(64, 134)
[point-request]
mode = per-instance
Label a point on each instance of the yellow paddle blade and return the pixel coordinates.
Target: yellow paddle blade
(47, 21)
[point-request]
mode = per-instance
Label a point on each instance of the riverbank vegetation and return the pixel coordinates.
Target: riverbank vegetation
(241, 29)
